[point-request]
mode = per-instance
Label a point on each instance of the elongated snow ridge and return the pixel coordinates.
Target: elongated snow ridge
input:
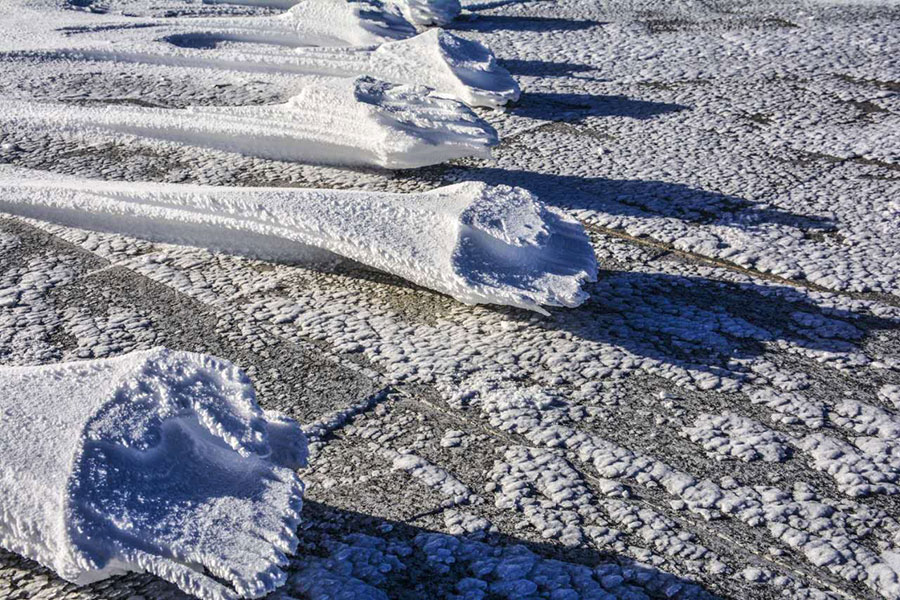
(452, 66)
(360, 122)
(155, 461)
(420, 12)
(310, 23)
(474, 242)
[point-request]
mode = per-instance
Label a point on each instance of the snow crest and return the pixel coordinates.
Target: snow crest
(156, 461)
(361, 122)
(479, 244)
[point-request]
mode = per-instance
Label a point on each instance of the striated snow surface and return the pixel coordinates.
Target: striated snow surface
(154, 461)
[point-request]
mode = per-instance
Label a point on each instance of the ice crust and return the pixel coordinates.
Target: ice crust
(361, 122)
(156, 461)
(474, 242)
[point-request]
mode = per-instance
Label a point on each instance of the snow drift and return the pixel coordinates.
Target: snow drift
(311, 23)
(429, 12)
(361, 122)
(454, 67)
(474, 242)
(420, 12)
(156, 461)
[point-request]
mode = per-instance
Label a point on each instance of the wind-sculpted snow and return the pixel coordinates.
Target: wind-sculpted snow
(429, 12)
(155, 461)
(372, 18)
(360, 122)
(454, 67)
(476, 243)
(306, 23)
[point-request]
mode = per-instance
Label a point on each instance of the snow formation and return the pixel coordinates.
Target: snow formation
(474, 242)
(155, 461)
(358, 122)
(429, 12)
(452, 66)
(311, 23)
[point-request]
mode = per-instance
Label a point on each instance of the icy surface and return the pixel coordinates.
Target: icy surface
(476, 243)
(361, 122)
(155, 461)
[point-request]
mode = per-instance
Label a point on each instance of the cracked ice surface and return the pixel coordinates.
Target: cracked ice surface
(718, 418)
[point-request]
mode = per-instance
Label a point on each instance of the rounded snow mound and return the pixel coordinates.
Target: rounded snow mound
(513, 249)
(155, 461)
(452, 65)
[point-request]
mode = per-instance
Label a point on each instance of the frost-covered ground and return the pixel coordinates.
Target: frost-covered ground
(720, 418)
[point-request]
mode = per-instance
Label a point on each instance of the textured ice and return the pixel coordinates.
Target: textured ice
(359, 122)
(476, 243)
(154, 461)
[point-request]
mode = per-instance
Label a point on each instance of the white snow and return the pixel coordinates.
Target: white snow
(358, 122)
(452, 66)
(153, 461)
(307, 23)
(476, 243)
(429, 12)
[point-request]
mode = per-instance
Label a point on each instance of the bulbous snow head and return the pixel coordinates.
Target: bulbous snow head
(513, 246)
(357, 22)
(155, 461)
(429, 12)
(463, 68)
(420, 127)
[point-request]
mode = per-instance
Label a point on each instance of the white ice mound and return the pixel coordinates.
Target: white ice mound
(157, 462)
(429, 12)
(454, 66)
(361, 122)
(474, 242)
